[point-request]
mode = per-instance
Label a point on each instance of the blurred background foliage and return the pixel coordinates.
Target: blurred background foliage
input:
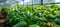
(32, 15)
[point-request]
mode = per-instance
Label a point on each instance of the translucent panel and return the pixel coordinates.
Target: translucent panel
(27, 2)
(48, 1)
(1, 1)
(24, 2)
(57, 0)
(30, 2)
(36, 1)
(10, 1)
(21, 2)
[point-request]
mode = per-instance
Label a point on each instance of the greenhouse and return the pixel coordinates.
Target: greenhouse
(29, 13)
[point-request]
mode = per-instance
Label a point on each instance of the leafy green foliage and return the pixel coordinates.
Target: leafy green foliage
(57, 21)
(21, 24)
(33, 25)
(28, 16)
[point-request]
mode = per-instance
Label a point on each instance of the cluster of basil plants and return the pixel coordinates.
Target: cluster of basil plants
(33, 16)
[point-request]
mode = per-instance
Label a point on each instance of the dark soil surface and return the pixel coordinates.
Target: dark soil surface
(3, 22)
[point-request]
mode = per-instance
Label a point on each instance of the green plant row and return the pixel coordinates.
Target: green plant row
(33, 16)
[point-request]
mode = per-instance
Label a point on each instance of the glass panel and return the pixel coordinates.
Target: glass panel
(21, 2)
(36, 1)
(27, 2)
(48, 1)
(1, 1)
(57, 0)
